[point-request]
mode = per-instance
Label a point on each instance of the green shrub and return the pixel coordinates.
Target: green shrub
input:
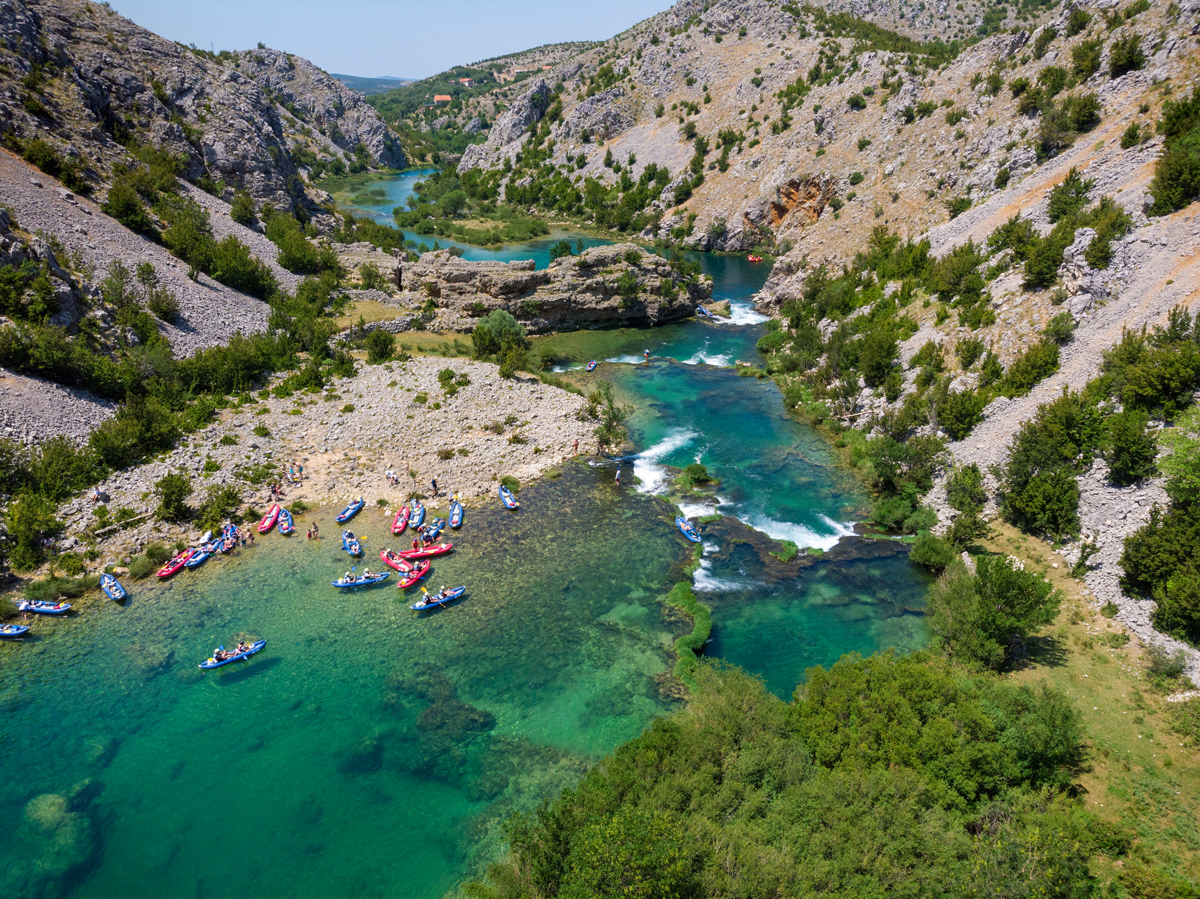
(931, 552)
(1042, 42)
(1037, 362)
(158, 553)
(241, 210)
(1085, 58)
(142, 567)
(172, 490)
(1177, 173)
(511, 483)
(958, 413)
(1125, 55)
(380, 346)
(1130, 450)
(1069, 196)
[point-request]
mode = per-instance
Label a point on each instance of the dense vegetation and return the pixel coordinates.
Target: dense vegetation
(1177, 173)
(889, 776)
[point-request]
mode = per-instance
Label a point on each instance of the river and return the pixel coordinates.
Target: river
(371, 751)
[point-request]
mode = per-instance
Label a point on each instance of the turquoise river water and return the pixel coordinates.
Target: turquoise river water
(371, 751)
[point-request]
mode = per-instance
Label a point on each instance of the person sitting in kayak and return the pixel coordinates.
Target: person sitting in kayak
(242, 646)
(443, 593)
(368, 573)
(220, 655)
(348, 577)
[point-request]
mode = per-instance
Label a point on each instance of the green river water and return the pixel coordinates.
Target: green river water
(371, 751)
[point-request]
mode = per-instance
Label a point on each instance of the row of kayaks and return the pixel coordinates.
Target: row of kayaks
(193, 557)
(112, 588)
(414, 517)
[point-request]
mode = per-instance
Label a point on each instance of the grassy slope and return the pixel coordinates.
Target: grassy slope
(1139, 771)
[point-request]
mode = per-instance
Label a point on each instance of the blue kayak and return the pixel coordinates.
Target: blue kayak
(13, 630)
(112, 588)
(213, 663)
(286, 524)
(351, 510)
(506, 497)
(456, 514)
(362, 581)
(350, 544)
(434, 601)
(688, 530)
(418, 515)
(199, 557)
(44, 608)
(435, 528)
(591, 366)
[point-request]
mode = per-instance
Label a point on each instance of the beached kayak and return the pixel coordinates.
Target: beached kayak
(435, 527)
(506, 497)
(393, 560)
(268, 520)
(363, 581)
(591, 366)
(112, 588)
(400, 522)
(175, 565)
(287, 526)
(426, 552)
(456, 514)
(229, 538)
(418, 515)
(687, 529)
(9, 631)
(419, 571)
(44, 608)
(351, 510)
(199, 557)
(434, 601)
(351, 544)
(254, 647)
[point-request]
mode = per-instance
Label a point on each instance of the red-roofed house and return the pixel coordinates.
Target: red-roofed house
(442, 98)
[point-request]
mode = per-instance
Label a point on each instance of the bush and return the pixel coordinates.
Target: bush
(958, 413)
(142, 567)
(1069, 196)
(242, 209)
(1182, 464)
(380, 345)
(511, 483)
(1060, 328)
(1039, 361)
(1130, 451)
(124, 205)
(1177, 173)
(172, 490)
(931, 552)
(29, 519)
(498, 333)
(1125, 55)
(693, 475)
(236, 267)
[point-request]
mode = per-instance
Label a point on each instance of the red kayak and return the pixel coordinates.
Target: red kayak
(268, 520)
(391, 560)
(400, 522)
(425, 552)
(415, 575)
(174, 566)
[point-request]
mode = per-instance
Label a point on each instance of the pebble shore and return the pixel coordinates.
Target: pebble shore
(345, 454)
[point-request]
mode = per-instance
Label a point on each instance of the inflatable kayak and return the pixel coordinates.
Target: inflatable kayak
(13, 630)
(687, 529)
(268, 520)
(287, 526)
(213, 663)
(112, 588)
(418, 515)
(199, 557)
(392, 560)
(229, 538)
(456, 515)
(506, 497)
(351, 510)
(435, 527)
(44, 608)
(427, 551)
(591, 366)
(176, 564)
(351, 544)
(419, 571)
(434, 601)
(363, 581)
(400, 522)
(700, 310)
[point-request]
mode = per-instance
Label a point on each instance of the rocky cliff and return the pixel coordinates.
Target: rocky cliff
(89, 82)
(603, 286)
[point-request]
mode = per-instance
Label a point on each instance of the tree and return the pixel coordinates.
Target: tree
(242, 209)
(29, 520)
(560, 249)
(955, 620)
(964, 489)
(1012, 601)
(496, 332)
(876, 356)
(124, 204)
(1130, 450)
(172, 490)
(1182, 464)
(380, 346)
(931, 552)
(611, 430)
(635, 854)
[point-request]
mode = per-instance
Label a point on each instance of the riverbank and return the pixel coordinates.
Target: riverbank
(467, 432)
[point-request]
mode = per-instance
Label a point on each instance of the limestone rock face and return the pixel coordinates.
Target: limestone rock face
(510, 129)
(236, 118)
(589, 290)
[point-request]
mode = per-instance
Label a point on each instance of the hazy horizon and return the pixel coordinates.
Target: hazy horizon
(358, 37)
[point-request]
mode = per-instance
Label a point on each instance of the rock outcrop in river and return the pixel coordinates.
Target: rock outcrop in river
(613, 285)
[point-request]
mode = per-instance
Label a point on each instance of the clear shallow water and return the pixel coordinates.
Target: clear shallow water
(371, 752)
(360, 727)
(396, 191)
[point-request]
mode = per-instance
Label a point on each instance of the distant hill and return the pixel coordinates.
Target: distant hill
(372, 85)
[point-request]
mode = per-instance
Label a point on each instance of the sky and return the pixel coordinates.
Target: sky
(376, 37)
